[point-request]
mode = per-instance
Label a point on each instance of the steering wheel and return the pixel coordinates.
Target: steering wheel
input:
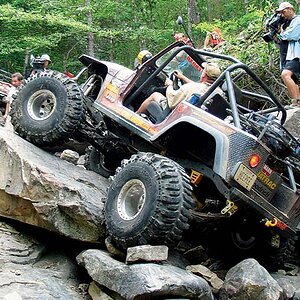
(175, 80)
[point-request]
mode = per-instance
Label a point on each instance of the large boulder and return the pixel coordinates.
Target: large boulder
(249, 280)
(292, 123)
(289, 284)
(143, 281)
(43, 190)
(29, 271)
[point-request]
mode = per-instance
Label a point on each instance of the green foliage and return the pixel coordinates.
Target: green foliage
(244, 41)
(122, 28)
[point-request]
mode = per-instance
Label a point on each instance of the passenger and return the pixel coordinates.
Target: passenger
(16, 81)
(210, 73)
(47, 61)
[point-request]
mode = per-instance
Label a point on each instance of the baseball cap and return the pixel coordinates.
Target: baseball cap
(212, 70)
(284, 5)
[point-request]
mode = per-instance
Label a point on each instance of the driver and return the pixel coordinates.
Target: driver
(210, 73)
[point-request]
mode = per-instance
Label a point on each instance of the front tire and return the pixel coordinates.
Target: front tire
(48, 109)
(148, 202)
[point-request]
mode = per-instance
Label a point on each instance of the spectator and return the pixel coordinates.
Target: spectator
(213, 39)
(179, 36)
(40, 64)
(210, 73)
(16, 81)
(47, 61)
(290, 65)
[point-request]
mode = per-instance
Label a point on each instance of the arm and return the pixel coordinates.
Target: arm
(9, 99)
(292, 33)
(182, 77)
(6, 111)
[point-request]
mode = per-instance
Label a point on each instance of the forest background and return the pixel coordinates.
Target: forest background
(117, 30)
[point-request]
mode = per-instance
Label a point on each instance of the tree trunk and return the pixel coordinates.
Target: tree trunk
(193, 15)
(90, 35)
(26, 61)
(209, 11)
(193, 12)
(151, 8)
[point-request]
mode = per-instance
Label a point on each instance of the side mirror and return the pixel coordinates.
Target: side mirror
(179, 20)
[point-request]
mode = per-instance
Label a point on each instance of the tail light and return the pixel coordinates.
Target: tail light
(254, 160)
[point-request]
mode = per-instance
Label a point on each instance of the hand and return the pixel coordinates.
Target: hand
(178, 74)
(280, 29)
(4, 118)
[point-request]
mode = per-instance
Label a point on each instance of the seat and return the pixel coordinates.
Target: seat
(217, 106)
(155, 113)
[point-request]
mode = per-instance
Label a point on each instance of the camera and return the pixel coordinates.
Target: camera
(38, 63)
(272, 26)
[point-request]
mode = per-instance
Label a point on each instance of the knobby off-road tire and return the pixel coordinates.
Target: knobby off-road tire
(48, 109)
(97, 162)
(286, 253)
(148, 202)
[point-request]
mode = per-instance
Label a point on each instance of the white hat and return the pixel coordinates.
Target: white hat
(284, 5)
(45, 57)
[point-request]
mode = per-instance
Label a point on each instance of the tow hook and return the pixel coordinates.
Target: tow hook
(274, 223)
(270, 223)
(229, 209)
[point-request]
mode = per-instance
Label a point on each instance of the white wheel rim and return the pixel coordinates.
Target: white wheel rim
(41, 105)
(131, 199)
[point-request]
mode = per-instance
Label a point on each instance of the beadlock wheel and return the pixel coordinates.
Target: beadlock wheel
(48, 109)
(41, 105)
(131, 199)
(148, 202)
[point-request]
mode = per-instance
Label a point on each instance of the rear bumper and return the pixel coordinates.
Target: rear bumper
(264, 208)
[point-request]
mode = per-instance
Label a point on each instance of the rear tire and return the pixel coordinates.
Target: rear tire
(48, 109)
(97, 162)
(148, 202)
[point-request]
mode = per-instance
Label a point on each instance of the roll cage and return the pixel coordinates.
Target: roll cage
(226, 81)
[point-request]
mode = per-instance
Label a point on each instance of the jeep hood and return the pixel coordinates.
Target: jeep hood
(104, 67)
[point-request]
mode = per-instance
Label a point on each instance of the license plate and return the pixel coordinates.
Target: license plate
(245, 177)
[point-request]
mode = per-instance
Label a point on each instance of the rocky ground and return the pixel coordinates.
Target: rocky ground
(70, 257)
(36, 264)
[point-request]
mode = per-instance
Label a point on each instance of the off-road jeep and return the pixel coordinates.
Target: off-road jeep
(224, 168)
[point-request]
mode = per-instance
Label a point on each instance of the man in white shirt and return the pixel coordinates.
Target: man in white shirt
(16, 81)
(291, 66)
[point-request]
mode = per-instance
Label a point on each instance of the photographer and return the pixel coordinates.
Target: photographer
(40, 64)
(289, 38)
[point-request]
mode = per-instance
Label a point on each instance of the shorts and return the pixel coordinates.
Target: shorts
(294, 67)
(163, 102)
